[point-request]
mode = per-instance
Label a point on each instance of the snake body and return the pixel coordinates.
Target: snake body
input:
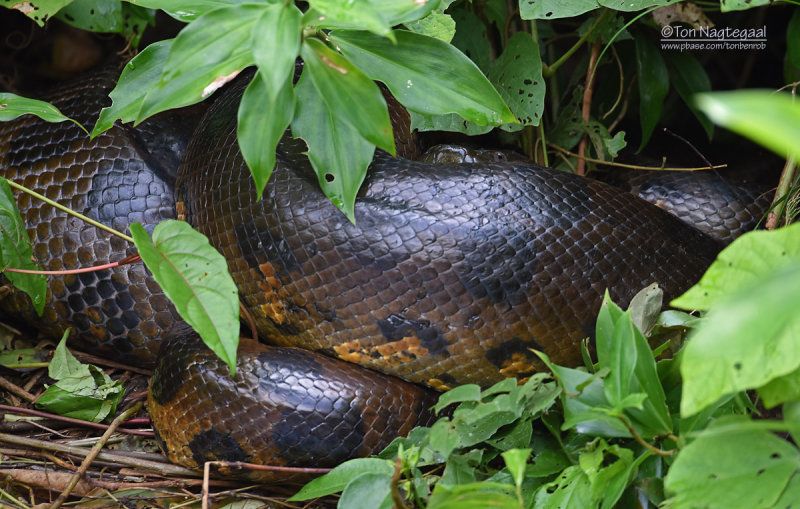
(450, 275)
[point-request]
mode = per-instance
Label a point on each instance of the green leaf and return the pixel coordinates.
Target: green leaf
(571, 489)
(342, 86)
(94, 15)
(13, 106)
(426, 75)
(37, 10)
(653, 85)
(743, 264)
(185, 10)
(276, 44)
(468, 392)
(552, 9)
(258, 134)
(138, 76)
(645, 307)
(517, 75)
(195, 278)
(740, 467)
(781, 389)
(370, 489)
(793, 39)
(436, 24)
(336, 480)
(450, 122)
(471, 38)
(340, 172)
(516, 461)
(771, 119)
(689, 77)
(632, 5)
(397, 12)
(81, 391)
(16, 250)
(722, 357)
(191, 75)
(354, 13)
(740, 5)
(479, 495)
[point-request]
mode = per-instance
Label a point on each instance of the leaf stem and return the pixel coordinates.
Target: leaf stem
(642, 441)
(69, 211)
(549, 70)
(124, 261)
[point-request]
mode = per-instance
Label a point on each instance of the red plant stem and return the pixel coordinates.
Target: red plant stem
(124, 261)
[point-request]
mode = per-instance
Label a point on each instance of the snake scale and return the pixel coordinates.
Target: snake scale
(451, 274)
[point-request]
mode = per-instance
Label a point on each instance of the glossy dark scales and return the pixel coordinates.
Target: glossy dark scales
(451, 272)
(716, 206)
(120, 313)
(284, 407)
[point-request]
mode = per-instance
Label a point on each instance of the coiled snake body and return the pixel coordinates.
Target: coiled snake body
(451, 274)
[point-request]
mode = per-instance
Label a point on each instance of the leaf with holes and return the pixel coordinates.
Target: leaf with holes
(340, 172)
(37, 10)
(517, 75)
(195, 278)
(16, 250)
(731, 464)
(206, 54)
(552, 9)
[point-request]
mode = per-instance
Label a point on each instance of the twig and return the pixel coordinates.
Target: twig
(120, 459)
(98, 361)
(250, 322)
(696, 151)
(69, 211)
(94, 452)
(70, 420)
(634, 166)
(586, 105)
(19, 391)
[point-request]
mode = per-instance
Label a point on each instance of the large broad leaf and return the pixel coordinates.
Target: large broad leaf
(16, 250)
(633, 5)
(740, 5)
(340, 172)
(426, 75)
(517, 75)
(552, 9)
(746, 262)
(689, 78)
(38, 10)
(195, 278)
(138, 77)
(186, 10)
(263, 116)
(107, 16)
(276, 44)
(349, 94)
(771, 119)
(206, 54)
(653, 85)
(737, 467)
(744, 342)
(350, 14)
(336, 480)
